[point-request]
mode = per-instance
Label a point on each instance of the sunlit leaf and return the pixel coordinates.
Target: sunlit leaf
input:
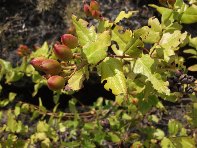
(165, 12)
(148, 35)
(123, 15)
(121, 38)
(4, 65)
(41, 52)
(174, 127)
(144, 66)
(193, 68)
(166, 143)
(42, 126)
(114, 137)
(97, 50)
(38, 136)
(190, 15)
(155, 24)
(159, 134)
(132, 47)
(84, 34)
(46, 142)
(76, 81)
(11, 122)
(172, 40)
(193, 42)
(12, 96)
(183, 142)
(125, 116)
(112, 72)
(17, 110)
(190, 51)
(103, 25)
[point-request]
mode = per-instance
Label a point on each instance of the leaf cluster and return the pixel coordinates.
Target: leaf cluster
(133, 64)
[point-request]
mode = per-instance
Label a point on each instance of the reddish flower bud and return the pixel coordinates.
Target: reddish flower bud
(94, 5)
(23, 50)
(19, 53)
(56, 82)
(36, 63)
(62, 52)
(51, 66)
(69, 40)
(96, 14)
(86, 9)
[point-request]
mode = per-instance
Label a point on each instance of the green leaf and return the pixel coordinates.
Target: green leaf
(168, 52)
(42, 126)
(159, 134)
(62, 127)
(4, 66)
(12, 96)
(114, 137)
(178, 3)
(85, 35)
(155, 24)
(103, 25)
(148, 35)
(146, 104)
(100, 136)
(161, 10)
(38, 136)
(144, 66)
(153, 118)
(193, 68)
(89, 126)
(125, 116)
(166, 143)
(190, 51)
(112, 72)
(88, 144)
(173, 27)
(190, 15)
(183, 142)
(11, 74)
(174, 127)
(170, 42)
(41, 52)
(121, 38)
(46, 143)
(193, 42)
(132, 47)
(38, 86)
(97, 51)
(123, 15)
(17, 110)
(76, 81)
(165, 12)
(11, 122)
(137, 144)
(73, 144)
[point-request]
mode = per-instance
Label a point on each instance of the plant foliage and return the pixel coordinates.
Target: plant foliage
(140, 67)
